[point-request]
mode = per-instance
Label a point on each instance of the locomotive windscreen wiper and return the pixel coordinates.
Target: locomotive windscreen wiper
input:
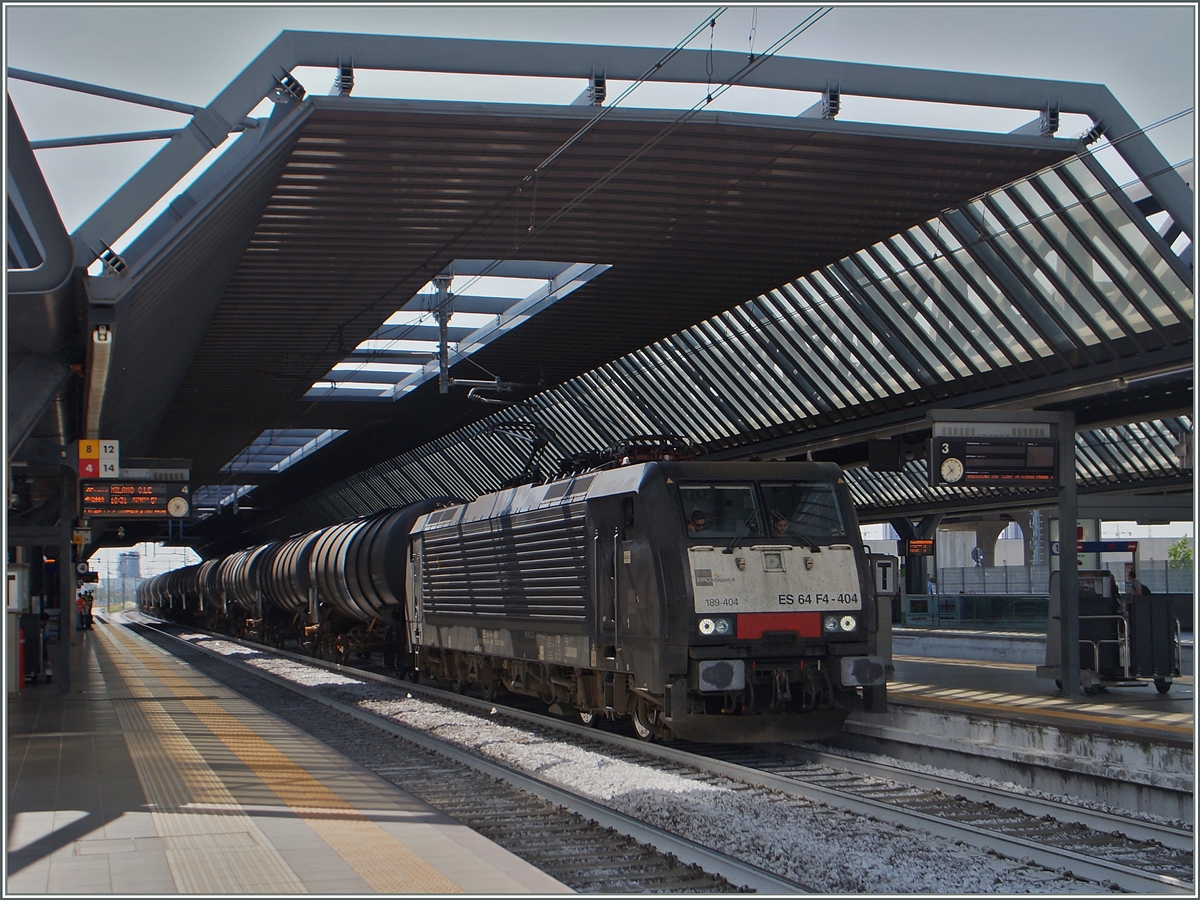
(804, 538)
(737, 534)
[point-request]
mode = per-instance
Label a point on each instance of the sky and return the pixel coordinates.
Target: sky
(1144, 53)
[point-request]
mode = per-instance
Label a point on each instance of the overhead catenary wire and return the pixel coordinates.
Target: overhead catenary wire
(731, 334)
(1092, 153)
(752, 64)
(549, 161)
(1112, 141)
(545, 164)
(686, 117)
(739, 76)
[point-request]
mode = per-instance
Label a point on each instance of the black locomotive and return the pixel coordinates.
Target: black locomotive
(712, 601)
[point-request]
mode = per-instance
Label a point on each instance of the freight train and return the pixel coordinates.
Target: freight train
(709, 601)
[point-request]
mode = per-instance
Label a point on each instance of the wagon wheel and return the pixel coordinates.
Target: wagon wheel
(1162, 685)
(644, 720)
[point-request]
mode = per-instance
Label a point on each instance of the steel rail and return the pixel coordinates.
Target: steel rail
(1099, 820)
(734, 870)
(1125, 877)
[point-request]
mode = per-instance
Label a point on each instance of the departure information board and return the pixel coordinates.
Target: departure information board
(136, 499)
(918, 547)
(993, 461)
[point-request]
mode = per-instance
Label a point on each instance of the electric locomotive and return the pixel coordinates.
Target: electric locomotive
(711, 601)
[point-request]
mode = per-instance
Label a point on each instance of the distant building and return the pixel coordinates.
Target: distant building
(129, 565)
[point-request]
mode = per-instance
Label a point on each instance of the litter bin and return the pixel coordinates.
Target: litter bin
(1153, 639)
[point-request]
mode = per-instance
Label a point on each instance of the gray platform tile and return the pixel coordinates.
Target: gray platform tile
(131, 825)
(33, 879)
(104, 846)
(80, 875)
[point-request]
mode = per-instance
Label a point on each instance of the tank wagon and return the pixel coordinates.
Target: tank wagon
(710, 601)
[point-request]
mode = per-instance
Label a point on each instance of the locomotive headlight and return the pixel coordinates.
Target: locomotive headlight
(716, 626)
(845, 623)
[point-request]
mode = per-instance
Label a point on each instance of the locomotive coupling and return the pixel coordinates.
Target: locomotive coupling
(863, 671)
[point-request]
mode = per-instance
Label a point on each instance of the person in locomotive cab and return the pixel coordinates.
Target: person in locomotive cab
(696, 522)
(779, 523)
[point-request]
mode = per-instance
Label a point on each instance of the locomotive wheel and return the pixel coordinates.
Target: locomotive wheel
(1058, 683)
(458, 686)
(643, 720)
(586, 718)
(1162, 685)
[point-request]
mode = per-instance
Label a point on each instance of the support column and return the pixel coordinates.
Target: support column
(916, 569)
(66, 579)
(1068, 583)
(986, 535)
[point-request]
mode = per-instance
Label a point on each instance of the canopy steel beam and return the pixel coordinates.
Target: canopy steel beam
(480, 57)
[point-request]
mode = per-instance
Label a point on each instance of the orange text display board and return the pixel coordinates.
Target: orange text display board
(134, 499)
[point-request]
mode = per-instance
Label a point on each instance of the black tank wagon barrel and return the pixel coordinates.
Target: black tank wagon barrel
(711, 601)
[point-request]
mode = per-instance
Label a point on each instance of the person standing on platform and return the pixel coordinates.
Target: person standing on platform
(83, 604)
(1136, 588)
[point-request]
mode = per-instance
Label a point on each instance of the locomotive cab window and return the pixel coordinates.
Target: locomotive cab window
(719, 510)
(804, 510)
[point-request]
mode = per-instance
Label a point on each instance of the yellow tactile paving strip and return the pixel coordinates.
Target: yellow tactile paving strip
(379, 859)
(207, 853)
(1052, 708)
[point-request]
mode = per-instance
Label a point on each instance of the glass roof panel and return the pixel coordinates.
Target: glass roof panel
(488, 298)
(208, 498)
(278, 448)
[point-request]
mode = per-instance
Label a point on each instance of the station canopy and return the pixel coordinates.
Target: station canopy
(768, 284)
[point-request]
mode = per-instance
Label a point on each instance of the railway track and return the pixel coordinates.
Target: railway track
(1170, 836)
(583, 845)
(1153, 861)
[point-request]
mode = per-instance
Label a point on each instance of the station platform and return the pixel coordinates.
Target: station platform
(994, 673)
(973, 699)
(149, 778)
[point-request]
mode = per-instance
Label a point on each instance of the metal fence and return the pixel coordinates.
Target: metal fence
(994, 580)
(1156, 574)
(1016, 598)
(977, 612)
